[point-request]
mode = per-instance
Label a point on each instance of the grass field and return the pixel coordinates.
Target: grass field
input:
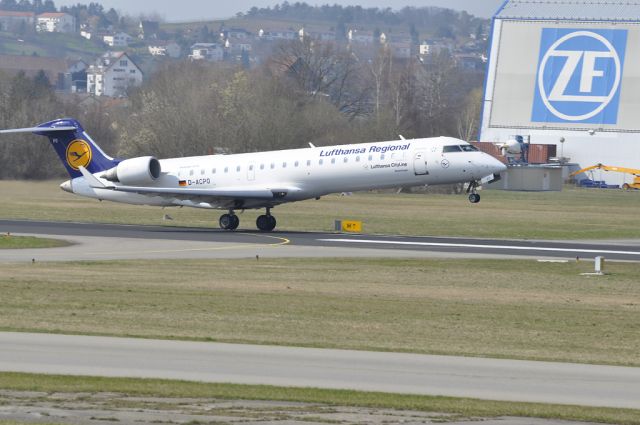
(174, 392)
(571, 214)
(24, 242)
(49, 45)
(511, 309)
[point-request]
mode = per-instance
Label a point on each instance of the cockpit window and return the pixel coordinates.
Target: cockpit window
(469, 148)
(459, 148)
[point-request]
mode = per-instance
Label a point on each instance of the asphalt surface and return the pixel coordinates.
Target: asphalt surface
(512, 380)
(344, 243)
(387, 372)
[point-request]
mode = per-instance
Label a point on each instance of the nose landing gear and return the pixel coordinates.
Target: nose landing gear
(474, 196)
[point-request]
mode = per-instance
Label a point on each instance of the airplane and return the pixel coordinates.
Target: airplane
(262, 179)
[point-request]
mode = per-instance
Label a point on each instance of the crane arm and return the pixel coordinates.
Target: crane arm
(633, 171)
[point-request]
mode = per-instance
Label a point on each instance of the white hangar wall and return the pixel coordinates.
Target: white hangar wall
(556, 73)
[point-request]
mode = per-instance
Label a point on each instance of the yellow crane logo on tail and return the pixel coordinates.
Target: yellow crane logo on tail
(78, 154)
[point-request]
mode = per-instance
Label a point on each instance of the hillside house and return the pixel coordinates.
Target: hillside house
(212, 52)
(15, 21)
(276, 35)
(165, 48)
(237, 33)
(435, 47)
(56, 22)
(120, 39)
(112, 75)
(237, 46)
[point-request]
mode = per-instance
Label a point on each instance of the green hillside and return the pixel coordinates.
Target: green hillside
(49, 45)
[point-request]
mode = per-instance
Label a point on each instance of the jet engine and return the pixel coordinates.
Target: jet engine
(511, 146)
(135, 171)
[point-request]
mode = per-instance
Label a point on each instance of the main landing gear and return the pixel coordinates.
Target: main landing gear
(474, 196)
(229, 221)
(265, 222)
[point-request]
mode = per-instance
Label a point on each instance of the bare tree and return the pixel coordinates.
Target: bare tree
(469, 118)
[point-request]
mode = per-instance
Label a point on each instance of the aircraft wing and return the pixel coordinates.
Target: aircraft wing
(191, 194)
(188, 193)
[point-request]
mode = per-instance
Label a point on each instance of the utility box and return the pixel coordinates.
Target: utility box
(534, 178)
(349, 226)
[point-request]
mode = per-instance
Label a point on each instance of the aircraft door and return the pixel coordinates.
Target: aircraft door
(420, 163)
(251, 172)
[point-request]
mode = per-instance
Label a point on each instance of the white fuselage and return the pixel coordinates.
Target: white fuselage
(313, 172)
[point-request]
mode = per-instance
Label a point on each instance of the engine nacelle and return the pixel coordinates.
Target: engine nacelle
(511, 146)
(135, 171)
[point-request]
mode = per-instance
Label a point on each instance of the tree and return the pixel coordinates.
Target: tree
(8, 5)
(469, 118)
(321, 69)
(24, 102)
(112, 17)
(49, 6)
(415, 35)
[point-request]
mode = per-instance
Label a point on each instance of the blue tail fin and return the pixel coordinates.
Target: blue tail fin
(74, 147)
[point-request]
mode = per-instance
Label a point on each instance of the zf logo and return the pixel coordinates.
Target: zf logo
(579, 76)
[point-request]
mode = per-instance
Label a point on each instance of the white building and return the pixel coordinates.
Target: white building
(120, 39)
(163, 48)
(212, 52)
(566, 73)
(112, 75)
(56, 22)
(12, 21)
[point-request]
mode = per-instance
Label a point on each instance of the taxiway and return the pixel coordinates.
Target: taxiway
(491, 379)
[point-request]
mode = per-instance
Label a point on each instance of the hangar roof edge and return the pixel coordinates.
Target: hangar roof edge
(574, 10)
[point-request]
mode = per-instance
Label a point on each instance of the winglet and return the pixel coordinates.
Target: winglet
(91, 179)
(311, 145)
(401, 137)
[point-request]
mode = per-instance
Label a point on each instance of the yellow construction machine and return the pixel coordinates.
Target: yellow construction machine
(635, 173)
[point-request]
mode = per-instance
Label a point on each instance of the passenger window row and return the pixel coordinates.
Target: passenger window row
(284, 164)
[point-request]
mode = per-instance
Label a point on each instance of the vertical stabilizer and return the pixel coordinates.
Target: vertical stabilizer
(74, 147)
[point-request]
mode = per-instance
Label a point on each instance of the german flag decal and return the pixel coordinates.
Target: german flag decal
(182, 182)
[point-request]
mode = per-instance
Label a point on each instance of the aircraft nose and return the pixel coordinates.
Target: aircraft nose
(497, 166)
(67, 186)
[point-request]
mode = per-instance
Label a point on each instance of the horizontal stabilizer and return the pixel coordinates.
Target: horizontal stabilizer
(91, 179)
(37, 129)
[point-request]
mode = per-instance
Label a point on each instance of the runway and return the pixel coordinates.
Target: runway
(491, 379)
(214, 243)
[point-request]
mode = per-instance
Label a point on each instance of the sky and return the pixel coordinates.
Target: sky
(191, 10)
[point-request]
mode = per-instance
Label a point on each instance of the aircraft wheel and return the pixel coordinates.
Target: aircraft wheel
(235, 222)
(266, 223)
(474, 198)
(229, 221)
(626, 186)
